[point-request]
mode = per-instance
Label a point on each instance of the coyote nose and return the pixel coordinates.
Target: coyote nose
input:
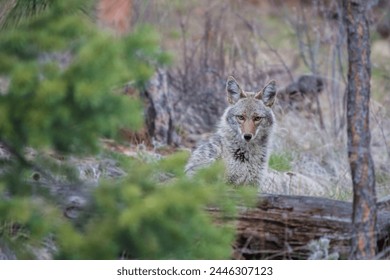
(247, 137)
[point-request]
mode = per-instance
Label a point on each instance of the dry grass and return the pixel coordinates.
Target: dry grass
(261, 40)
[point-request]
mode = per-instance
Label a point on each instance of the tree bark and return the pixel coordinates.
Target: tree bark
(158, 110)
(358, 98)
(115, 14)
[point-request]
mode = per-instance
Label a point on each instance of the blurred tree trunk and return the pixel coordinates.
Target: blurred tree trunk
(115, 14)
(358, 99)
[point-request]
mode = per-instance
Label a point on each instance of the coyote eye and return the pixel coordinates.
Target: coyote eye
(257, 119)
(240, 117)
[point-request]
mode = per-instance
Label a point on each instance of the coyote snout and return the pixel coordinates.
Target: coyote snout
(248, 127)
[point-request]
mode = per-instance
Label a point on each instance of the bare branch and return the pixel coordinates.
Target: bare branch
(254, 31)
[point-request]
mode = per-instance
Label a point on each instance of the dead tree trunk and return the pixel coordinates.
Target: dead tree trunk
(159, 110)
(358, 98)
(115, 14)
(282, 227)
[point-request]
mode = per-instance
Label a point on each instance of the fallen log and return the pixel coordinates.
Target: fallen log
(282, 227)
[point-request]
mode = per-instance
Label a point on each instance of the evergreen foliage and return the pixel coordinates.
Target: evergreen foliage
(137, 218)
(65, 107)
(76, 98)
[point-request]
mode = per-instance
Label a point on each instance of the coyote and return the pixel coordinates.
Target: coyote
(242, 138)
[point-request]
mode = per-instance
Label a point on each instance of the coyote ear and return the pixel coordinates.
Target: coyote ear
(267, 94)
(234, 91)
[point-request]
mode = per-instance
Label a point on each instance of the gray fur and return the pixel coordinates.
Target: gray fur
(245, 161)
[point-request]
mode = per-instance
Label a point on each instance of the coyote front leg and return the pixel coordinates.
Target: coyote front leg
(204, 155)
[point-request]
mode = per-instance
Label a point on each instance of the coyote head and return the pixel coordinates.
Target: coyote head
(250, 112)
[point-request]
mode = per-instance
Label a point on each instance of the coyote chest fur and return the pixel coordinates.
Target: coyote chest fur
(243, 136)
